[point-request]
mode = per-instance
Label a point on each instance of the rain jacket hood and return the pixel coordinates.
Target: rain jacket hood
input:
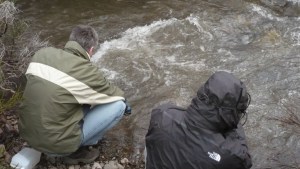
(219, 103)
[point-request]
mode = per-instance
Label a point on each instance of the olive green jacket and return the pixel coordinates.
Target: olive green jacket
(59, 82)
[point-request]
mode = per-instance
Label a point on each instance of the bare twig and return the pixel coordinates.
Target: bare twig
(7, 64)
(2, 50)
(6, 89)
(8, 12)
(5, 30)
(17, 48)
(33, 45)
(28, 50)
(285, 165)
(291, 116)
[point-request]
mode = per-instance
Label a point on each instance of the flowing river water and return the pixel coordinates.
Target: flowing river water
(163, 50)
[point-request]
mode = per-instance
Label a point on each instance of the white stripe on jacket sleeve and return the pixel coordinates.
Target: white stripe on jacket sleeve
(82, 93)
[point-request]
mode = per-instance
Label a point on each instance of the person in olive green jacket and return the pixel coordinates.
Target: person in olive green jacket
(68, 103)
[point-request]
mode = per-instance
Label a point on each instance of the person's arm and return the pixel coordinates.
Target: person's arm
(237, 145)
(93, 88)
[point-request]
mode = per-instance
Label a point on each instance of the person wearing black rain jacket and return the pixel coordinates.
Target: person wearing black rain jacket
(206, 135)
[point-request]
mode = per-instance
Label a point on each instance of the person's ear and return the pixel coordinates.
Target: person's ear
(91, 51)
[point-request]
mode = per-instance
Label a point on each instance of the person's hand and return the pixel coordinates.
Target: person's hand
(127, 109)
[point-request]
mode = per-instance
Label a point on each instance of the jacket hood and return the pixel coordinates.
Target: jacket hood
(76, 49)
(219, 103)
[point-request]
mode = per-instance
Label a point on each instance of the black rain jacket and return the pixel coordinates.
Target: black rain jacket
(206, 135)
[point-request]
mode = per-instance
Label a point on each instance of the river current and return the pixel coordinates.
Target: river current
(162, 51)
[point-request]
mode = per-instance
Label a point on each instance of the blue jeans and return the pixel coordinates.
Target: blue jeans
(99, 119)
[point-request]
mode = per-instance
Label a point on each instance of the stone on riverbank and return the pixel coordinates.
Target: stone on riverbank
(113, 165)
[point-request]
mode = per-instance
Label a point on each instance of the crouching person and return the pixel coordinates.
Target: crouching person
(68, 103)
(206, 135)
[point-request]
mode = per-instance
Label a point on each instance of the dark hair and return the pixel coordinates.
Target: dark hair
(86, 36)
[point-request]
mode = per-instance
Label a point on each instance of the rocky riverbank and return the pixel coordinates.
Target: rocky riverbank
(112, 156)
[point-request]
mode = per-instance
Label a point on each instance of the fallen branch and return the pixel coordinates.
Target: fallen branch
(6, 89)
(5, 30)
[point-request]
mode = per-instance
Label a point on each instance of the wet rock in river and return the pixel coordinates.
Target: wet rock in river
(246, 38)
(284, 7)
(292, 8)
(272, 3)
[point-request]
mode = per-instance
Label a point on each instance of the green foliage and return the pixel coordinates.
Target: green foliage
(12, 102)
(18, 28)
(15, 30)
(17, 45)
(1, 75)
(4, 165)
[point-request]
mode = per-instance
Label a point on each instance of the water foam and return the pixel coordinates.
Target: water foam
(194, 20)
(264, 13)
(137, 34)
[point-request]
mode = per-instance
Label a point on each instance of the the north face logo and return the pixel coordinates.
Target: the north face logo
(214, 156)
